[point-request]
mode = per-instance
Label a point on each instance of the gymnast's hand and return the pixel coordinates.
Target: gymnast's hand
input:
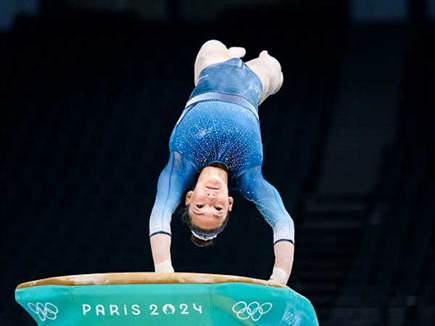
(161, 249)
(279, 276)
(284, 253)
(164, 267)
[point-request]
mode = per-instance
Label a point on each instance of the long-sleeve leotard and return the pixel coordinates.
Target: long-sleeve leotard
(220, 130)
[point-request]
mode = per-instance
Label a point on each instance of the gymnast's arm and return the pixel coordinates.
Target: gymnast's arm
(255, 188)
(172, 182)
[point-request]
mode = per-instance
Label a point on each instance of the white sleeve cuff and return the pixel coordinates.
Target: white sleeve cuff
(284, 231)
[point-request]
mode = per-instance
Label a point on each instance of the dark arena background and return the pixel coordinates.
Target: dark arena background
(90, 91)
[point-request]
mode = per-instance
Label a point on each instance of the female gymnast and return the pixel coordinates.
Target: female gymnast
(218, 137)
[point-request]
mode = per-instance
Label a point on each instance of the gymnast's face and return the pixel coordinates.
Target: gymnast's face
(209, 203)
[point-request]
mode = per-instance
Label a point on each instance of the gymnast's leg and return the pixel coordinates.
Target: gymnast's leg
(214, 51)
(268, 69)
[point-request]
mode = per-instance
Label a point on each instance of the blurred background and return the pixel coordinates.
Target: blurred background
(90, 91)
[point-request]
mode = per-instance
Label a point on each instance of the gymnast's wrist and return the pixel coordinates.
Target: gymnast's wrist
(279, 276)
(164, 267)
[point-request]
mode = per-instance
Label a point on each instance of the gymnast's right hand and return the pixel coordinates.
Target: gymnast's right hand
(164, 267)
(161, 250)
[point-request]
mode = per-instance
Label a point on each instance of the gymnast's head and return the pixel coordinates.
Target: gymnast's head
(208, 205)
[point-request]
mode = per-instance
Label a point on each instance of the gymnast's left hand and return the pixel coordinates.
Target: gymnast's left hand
(279, 276)
(284, 253)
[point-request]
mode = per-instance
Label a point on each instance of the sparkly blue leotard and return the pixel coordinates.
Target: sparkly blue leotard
(220, 125)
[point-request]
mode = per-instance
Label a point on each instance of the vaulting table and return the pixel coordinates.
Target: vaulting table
(138, 299)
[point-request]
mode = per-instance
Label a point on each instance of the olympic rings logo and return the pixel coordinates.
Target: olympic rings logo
(254, 310)
(44, 311)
